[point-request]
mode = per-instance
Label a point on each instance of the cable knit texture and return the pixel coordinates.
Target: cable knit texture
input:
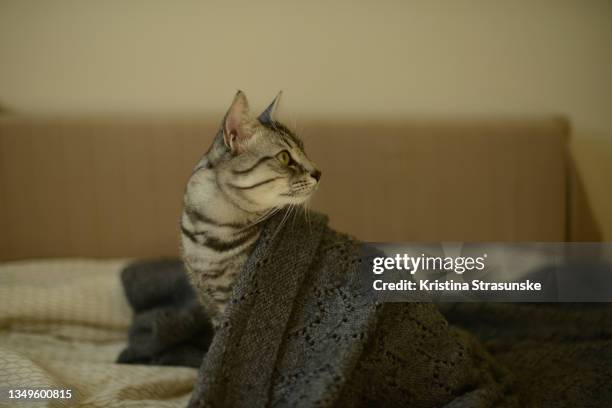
(302, 330)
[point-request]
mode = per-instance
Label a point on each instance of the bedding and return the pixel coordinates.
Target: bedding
(62, 325)
(560, 354)
(284, 340)
(169, 325)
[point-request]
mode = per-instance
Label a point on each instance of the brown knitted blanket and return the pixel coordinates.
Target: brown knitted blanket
(301, 330)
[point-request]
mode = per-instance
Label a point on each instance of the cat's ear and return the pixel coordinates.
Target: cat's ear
(237, 126)
(267, 116)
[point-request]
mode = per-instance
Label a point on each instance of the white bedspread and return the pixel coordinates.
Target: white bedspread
(62, 325)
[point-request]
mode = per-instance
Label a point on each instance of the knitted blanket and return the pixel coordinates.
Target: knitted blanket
(560, 354)
(169, 326)
(301, 330)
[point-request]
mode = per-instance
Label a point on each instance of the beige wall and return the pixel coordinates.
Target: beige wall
(374, 59)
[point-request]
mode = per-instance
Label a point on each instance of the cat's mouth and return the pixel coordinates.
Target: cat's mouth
(301, 194)
(298, 194)
(303, 188)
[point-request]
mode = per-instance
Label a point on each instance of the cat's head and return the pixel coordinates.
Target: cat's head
(258, 162)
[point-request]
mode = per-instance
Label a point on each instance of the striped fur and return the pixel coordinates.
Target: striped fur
(238, 183)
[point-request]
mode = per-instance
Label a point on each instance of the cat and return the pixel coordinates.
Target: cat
(254, 167)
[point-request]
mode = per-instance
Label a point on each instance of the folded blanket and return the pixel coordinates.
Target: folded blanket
(302, 330)
(169, 327)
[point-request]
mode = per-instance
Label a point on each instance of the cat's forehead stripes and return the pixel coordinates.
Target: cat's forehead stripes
(285, 133)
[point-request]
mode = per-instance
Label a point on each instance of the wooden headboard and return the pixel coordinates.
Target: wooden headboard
(106, 187)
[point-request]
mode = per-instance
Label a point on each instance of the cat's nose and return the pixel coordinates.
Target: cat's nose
(316, 174)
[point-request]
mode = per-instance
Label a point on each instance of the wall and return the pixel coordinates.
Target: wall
(372, 59)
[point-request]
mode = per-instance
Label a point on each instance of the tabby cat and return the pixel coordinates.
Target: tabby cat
(255, 167)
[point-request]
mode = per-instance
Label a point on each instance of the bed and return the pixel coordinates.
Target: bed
(62, 325)
(81, 196)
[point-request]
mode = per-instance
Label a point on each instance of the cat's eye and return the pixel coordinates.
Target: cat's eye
(284, 157)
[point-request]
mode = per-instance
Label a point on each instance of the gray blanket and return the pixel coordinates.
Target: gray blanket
(560, 354)
(169, 326)
(302, 330)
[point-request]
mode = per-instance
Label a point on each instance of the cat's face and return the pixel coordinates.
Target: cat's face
(259, 163)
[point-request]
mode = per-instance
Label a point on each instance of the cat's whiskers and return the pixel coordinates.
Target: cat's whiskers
(307, 213)
(262, 218)
(282, 222)
(295, 213)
